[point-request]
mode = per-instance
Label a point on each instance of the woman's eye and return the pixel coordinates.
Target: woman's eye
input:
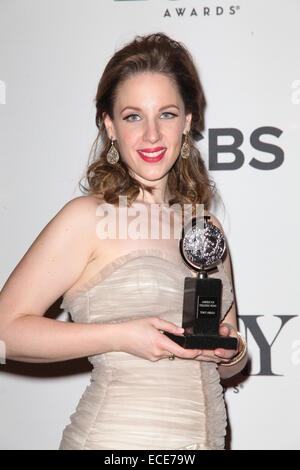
(170, 114)
(131, 115)
(128, 118)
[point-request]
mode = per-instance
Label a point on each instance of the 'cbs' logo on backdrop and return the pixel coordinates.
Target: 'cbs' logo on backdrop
(258, 140)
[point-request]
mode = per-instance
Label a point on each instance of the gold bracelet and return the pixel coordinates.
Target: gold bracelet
(240, 355)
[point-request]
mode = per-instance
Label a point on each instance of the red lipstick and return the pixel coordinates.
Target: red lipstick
(159, 151)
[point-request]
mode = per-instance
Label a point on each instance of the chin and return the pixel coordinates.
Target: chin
(153, 177)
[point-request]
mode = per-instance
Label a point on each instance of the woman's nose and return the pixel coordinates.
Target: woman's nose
(152, 131)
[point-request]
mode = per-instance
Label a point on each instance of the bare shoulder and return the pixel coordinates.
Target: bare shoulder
(54, 262)
(81, 206)
(214, 220)
(217, 223)
(80, 213)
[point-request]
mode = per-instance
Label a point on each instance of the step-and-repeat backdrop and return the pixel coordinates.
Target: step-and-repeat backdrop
(52, 54)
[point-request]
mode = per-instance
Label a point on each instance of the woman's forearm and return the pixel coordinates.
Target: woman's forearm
(32, 338)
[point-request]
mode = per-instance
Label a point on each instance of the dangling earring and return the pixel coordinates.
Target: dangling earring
(185, 149)
(113, 154)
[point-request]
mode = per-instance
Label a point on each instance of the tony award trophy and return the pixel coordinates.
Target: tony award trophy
(202, 246)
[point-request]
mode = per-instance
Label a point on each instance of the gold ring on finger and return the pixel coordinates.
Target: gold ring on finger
(171, 357)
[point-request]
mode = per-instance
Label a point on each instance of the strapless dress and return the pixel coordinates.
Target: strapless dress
(131, 402)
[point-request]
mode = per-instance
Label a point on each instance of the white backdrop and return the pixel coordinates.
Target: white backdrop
(52, 53)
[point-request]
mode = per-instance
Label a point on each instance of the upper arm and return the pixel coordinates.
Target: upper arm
(53, 262)
(231, 316)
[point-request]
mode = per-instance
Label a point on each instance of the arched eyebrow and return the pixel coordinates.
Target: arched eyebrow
(139, 109)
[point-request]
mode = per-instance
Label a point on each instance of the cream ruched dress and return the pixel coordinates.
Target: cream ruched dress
(134, 403)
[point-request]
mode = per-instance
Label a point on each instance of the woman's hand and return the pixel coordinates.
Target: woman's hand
(220, 355)
(143, 337)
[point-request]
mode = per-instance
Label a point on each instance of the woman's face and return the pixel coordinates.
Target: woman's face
(149, 120)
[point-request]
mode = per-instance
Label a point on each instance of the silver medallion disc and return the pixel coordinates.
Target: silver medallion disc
(202, 245)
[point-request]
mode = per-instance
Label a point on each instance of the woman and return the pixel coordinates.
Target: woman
(124, 291)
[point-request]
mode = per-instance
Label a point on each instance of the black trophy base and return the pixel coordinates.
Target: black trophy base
(204, 341)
